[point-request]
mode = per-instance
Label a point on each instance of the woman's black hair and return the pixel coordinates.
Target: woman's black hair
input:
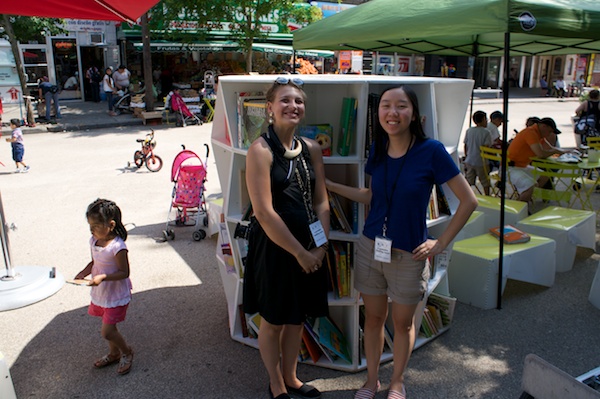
(104, 211)
(380, 137)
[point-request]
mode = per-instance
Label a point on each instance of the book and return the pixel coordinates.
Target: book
(254, 322)
(337, 212)
(321, 133)
(332, 338)
(331, 267)
(442, 201)
(312, 347)
(312, 326)
(303, 354)
(372, 105)
(445, 304)
(252, 117)
(243, 322)
(347, 126)
(510, 234)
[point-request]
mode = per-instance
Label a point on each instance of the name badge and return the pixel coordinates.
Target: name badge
(318, 233)
(383, 249)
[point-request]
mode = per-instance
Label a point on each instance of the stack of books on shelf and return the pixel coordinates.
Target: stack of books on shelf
(438, 262)
(347, 126)
(252, 117)
(321, 337)
(339, 264)
(437, 315)
(338, 219)
(438, 204)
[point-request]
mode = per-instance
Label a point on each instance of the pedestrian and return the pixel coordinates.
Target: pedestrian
(284, 280)
(544, 86)
(121, 77)
(111, 286)
(18, 147)
(496, 120)
(94, 78)
(403, 167)
(561, 87)
(49, 94)
(108, 85)
(476, 137)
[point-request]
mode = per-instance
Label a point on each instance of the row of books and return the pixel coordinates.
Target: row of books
(252, 121)
(438, 203)
(320, 337)
(338, 219)
(339, 261)
(437, 315)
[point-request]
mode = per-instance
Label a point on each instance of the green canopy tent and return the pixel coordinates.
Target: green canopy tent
(463, 27)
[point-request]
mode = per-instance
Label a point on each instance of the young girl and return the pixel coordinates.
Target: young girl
(111, 287)
(18, 148)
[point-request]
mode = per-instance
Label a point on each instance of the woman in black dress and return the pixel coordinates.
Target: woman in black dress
(284, 279)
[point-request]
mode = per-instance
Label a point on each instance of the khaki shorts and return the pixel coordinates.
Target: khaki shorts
(404, 280)
(477, 171)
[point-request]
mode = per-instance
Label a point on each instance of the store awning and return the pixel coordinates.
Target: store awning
(158, 47)
(288, 50)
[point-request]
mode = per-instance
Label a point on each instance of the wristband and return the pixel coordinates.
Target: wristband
(325, 246)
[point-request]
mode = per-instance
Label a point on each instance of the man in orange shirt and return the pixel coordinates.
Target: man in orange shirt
(528, 144)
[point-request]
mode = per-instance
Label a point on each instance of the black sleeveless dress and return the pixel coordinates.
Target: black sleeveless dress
(274, 283)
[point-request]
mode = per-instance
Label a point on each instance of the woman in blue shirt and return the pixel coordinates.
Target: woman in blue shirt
(392, 251)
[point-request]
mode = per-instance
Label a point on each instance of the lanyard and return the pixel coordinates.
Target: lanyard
(306, 190)
(388, 198)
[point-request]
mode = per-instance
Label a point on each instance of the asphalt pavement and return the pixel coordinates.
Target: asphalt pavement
(178, 323)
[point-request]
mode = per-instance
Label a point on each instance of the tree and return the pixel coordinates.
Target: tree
(25, 29)
(244, 20)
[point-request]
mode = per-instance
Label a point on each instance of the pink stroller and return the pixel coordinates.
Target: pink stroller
(183, 114)
(189, 174)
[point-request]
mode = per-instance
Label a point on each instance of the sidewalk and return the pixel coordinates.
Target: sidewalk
(76, 115)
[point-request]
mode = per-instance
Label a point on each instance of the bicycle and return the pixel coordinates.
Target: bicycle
(146, 155)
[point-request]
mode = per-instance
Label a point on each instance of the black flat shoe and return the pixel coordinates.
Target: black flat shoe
(305, 391)
(282, 396)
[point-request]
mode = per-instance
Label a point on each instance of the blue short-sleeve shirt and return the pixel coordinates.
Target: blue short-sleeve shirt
(427, 163)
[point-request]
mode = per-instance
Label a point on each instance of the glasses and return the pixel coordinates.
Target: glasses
(295, 81)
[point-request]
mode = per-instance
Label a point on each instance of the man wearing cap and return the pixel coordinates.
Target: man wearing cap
(530, 142)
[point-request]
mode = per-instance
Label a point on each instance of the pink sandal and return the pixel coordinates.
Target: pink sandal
(367, 393)
(393, 394)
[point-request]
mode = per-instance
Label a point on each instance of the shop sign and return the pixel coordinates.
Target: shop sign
(63, 45)
(329, 9)
(77, 25)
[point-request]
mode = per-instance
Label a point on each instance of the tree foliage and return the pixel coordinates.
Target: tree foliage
(243, 21)
(33, 29)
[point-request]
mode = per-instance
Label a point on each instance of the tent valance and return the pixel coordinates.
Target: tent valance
(288, 50)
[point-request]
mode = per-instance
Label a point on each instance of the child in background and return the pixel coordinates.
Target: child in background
(18, 148)
(111, 287)
(476, 137)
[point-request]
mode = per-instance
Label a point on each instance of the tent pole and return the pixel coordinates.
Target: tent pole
(503, 162)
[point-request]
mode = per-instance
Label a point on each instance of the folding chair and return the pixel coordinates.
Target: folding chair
(491, 156)
(567, 184)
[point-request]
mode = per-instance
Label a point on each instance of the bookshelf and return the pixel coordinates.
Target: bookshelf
(442, 101)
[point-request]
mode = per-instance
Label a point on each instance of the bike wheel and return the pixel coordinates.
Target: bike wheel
(138, 158)
(154, 164)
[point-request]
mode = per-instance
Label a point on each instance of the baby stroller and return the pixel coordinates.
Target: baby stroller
(183, 115)
(189, 174)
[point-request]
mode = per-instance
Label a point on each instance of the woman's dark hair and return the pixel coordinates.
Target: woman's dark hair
(104, 211)
(380, 137)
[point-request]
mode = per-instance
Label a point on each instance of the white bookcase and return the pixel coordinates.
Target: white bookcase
(442, 101)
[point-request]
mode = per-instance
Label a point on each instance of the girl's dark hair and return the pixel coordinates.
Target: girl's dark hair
(380, 137)
(15, 122)
(104, 211)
